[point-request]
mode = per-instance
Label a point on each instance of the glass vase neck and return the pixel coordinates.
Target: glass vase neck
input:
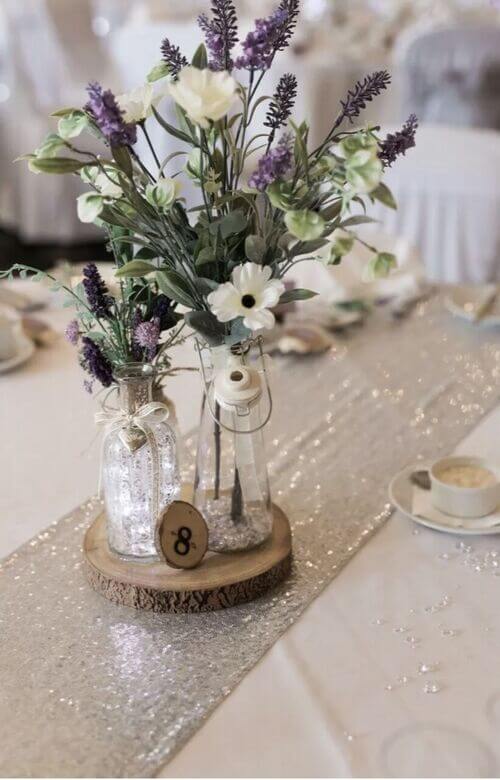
(135, 386)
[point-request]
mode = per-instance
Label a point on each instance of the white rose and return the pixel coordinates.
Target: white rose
(137, 105)
(203, 94)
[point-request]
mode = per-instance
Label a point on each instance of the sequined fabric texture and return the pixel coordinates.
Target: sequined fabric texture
(88, 688)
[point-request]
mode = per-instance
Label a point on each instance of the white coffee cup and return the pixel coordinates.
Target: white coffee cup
(459, 500)
(8, 341)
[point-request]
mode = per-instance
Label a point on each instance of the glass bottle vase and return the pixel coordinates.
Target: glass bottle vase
(140, 479)
(231, 486)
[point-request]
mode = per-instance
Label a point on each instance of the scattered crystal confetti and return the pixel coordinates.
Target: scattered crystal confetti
(432, 687)
(450, 632)
(413, 641)
(427, 668)
(400, 629)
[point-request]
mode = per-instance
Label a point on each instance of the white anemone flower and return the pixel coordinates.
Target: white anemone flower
(204, 94)
(251, 294)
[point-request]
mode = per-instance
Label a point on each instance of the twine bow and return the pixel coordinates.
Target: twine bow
(142, 418)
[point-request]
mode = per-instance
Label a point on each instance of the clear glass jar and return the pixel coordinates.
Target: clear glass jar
(129, 466)
(231, 486)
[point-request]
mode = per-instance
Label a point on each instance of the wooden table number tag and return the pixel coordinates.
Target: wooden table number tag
(183, 535)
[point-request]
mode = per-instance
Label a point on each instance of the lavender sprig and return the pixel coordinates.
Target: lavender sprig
(362, 93)
(398, 143)
(95, 362)
(281, 104)
(96, 292)
(292, 8)
(106, 113)
(221, 34)
(273, 165)
(262, 43)
(173, 57)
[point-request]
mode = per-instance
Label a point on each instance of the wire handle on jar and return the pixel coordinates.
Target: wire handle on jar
(208, 384)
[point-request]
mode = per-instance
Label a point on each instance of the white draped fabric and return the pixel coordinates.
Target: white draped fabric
(448, 194)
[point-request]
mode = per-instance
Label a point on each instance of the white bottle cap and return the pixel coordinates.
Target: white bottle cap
(237, 386)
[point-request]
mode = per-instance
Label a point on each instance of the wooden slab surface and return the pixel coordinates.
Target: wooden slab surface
(221, 580)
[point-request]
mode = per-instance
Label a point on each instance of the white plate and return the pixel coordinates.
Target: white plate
(25, 349)
(466, 300)
(401, 495)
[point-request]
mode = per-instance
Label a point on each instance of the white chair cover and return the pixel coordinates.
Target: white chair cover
(51, 56)
(448, 193)
(452, 76)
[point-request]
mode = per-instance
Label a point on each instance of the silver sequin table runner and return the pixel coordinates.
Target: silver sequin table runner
(88, 688)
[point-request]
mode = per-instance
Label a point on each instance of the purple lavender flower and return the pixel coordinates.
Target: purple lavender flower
(269, 36)
(399, 142)
(273, 165)
(261, 44)
(72, 332)
(146, 336)
(108, 116)
(281, 103)
(362, 93)
(173, 57)
(292, 8)
(95, 362)
(88, 386)
(96, 291)
(221, 33)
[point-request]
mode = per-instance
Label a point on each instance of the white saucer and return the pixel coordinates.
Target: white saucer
(468, 301)
(25, 349)
(401, 495)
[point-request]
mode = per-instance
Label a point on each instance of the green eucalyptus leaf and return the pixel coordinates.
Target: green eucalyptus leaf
(71, 125)
(200, 59)
(205, 255)
(146, 254)
(380, 265)
(239, 332)
(255, 248)
(89, 206)
(122, 158)
(175, 286)
(205, 286)
(58, 165)
(298, 294)
(159, 71)
(230, 224)
(358, 220)
(207, 325)
(135, 268)
(383, 194)
(64, 112)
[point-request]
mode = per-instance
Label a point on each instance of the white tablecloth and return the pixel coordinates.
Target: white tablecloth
(317, 704)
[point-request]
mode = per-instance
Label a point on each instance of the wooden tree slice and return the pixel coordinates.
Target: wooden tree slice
(221, 580)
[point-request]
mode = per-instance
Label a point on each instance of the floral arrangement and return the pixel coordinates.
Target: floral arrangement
(138, 324)
(267, 200)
